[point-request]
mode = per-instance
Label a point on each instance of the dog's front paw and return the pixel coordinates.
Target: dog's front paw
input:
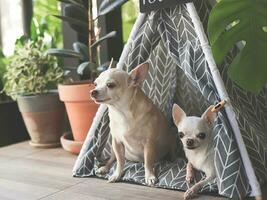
(114, 177)
(189, 178)
(150, 179)
(102, 170)
(189, 194)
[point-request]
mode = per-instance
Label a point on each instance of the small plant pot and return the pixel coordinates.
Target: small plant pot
(81, 109)
(69, 144)
(44, 118)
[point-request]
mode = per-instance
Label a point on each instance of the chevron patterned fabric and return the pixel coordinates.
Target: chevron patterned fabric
(179, 73)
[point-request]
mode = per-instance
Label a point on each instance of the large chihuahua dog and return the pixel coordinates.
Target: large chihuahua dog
(140, 132)
(197, 138)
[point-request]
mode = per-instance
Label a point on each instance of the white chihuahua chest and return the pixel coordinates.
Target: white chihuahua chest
(202, 161)
(126, 131)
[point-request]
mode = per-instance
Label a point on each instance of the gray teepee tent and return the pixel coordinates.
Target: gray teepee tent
(182, 70)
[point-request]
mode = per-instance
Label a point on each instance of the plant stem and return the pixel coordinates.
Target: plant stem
(91, 32)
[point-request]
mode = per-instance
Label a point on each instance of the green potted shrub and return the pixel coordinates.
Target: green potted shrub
(31, 78)
(12, 128)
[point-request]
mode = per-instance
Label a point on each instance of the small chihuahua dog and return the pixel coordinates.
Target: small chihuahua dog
(197, 138)
(140, 132)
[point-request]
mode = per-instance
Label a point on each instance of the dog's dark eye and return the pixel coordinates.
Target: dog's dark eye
(181, 134)
(201, 136)
(111, 85)
(95, 84)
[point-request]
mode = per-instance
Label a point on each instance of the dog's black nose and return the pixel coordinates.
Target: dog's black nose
(190, 142)
(94, 93)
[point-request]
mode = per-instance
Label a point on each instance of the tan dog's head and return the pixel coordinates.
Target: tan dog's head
(113, 85)
(194, 132)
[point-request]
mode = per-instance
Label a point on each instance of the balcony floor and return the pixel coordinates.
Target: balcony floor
(29, 173)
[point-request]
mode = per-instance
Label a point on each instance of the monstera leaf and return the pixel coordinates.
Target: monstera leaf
(233, 21)
(107, 6)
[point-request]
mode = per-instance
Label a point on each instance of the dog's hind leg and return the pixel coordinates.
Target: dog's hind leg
(105, 169)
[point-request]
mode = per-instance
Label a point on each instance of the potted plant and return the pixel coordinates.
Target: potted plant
(31, 78)
(12, 128)
(80, 107)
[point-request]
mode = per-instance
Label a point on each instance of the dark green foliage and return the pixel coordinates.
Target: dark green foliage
(76, 14)
(2, 70)
(233, 21)
(31, 71)
(42, 11)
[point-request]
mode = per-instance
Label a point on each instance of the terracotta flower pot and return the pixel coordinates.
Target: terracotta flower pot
(44, 118)
(81, 109)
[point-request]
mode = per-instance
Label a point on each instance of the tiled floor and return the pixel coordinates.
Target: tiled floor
(27, 173)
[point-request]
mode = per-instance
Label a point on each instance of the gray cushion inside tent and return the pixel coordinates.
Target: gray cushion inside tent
(179, 73)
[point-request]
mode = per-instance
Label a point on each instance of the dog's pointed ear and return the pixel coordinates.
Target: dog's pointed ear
(138, 74)
(178, 114)
(209, 116)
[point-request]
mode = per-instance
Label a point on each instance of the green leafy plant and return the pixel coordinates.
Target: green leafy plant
(2, 70)
(40, 40)
(3, 64)
(50, 26)
(39, 31)
(31, 71)
(233, 21)
(86, 70)
(129, 14)
(79, 15)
